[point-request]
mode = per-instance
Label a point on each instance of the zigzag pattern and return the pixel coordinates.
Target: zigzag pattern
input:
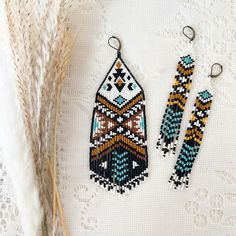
(170, 127)
(118, 147)
(192, 141)
(103, 109)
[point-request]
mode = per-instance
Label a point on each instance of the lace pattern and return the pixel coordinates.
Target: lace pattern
(152, 39)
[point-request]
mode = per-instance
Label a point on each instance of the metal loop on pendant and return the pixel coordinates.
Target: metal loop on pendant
(191, 38)
(214, 75)
(112, 45)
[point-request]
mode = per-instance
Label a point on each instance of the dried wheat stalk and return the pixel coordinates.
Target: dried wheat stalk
(41, 49)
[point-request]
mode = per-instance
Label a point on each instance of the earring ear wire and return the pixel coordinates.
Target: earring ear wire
(118, 49)
(215, 75)
(189, 28)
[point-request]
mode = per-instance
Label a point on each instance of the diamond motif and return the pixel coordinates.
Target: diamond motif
(205, 94)
(187, 60)
(118, 64)
(120, 84)
(119, 100)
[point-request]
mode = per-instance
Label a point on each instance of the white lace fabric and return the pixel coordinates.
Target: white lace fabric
(152, 41)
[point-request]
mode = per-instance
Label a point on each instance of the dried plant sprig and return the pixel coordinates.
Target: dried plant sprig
(59, 69)
(41, 54)
(16, 47)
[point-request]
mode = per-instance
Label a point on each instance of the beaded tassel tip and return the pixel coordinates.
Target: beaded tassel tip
(118, 146)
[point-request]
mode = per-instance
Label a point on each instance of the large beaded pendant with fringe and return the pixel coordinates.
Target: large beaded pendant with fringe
(118, 146)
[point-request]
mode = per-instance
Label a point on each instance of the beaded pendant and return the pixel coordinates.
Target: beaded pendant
(118, 145)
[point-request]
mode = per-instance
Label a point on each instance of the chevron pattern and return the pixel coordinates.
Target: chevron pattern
(170, 127)
(120, 166)
(192, 141)
(118, 145)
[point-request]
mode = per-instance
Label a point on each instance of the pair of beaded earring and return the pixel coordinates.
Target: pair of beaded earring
(171, 122)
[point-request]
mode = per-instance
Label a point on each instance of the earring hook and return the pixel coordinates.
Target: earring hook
(119, 44)
(187, 35)
(212, 75)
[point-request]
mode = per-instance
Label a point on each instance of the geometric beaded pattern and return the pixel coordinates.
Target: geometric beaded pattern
(192, 141)
(118, 145)
(171, 122)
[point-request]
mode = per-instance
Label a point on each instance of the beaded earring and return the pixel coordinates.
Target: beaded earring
(194, 134)
(118, 145)
(171, 122)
